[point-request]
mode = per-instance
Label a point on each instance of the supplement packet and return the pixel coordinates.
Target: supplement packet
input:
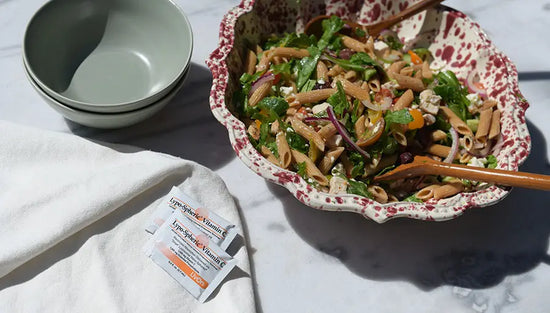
(188, 255)
(219, 230)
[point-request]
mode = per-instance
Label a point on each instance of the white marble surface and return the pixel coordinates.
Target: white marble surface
(493, 259)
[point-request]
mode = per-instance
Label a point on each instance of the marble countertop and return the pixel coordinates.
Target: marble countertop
(494, 259)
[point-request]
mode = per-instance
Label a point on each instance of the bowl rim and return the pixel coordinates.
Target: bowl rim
(66, 107)
(118, 107)
(350, 202)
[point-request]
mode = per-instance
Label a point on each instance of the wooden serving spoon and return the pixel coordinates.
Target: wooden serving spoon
(422, 165)
(314, 26)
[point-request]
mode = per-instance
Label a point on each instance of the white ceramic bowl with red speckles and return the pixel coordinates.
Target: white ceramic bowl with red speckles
(456, 42)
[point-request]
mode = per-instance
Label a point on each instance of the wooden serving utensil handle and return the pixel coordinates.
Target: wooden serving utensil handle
(426, 166)
(376, 28)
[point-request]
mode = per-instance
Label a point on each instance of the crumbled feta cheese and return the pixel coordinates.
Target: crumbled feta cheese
(429, 101)
(337, 170)
(390, 85)
(475, 99)
(319, 108)
(380, 46)
(477, 162)
(335, 141)
(428, 119)
(321, 81)
(338, 185)
(286, 91)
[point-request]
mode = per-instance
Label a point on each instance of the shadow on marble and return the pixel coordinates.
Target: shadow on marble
(185, 128)
(476, 250)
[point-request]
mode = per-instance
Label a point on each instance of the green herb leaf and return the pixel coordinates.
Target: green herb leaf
(301, 170)
(358, 163)
(412, 198)
(307, 66)
(338, 100)
(492, 161)
(393, 42)
(297, 142)
(308, 85)
(330, 27)
(453, 93)
(275, 104)
(358, 188)
(398, 117)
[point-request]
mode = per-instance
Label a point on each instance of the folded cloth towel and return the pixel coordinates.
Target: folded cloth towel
(72, 214)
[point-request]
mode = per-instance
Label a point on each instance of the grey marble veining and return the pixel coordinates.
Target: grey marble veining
(493, 259)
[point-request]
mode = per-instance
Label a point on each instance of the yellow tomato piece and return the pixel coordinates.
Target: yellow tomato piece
(258, 123)
(418, 119)
(373, 115)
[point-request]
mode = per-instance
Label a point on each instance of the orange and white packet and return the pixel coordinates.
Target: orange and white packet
(189, 256)
(218, 229)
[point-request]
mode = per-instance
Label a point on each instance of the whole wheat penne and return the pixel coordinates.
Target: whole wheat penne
(404, 101)
(285, 158)
(350, 75)
(488, 104)
(327, 131)
(251, 60)
(353, 44)
(335, 71)
(458, 124)
(353, 90)
(378, 193)
(406, 82)
(465, 158)
(396, 67)
(374, 84)
(265, 59)
(311, 96)
(329, 158)
(407, 71)
(484, 124)
(447, 190)
(427, 192)
(494, 131)
(369, 47)
(400, 137)
(311, 169)
(439, 150)
(287, 52)
(438, 135)
(360, 126)
(468, 142)
(322, 71)
(260, 93)
(308, 133)
(269, 155)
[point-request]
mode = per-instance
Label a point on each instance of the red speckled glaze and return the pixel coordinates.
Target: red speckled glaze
(457, 43)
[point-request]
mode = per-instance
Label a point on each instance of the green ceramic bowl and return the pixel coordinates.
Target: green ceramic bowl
(107, 55)
(107, 120)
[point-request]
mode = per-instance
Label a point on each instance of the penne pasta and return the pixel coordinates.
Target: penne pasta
(286, 52)
(269, 155)
(251, 60)
(328, 160)
(406, 82)
(322, 71)
(426, 71)
(396, 67)
(378, 193)
(374, 85)
(458, 124)
(484, 125)
(439, 150)
(260, 93)
(353, 44)
(438, 135)
(494, 130)
(427, 192)
(447, 190)
(312, 96)
(327, 131)
(285, 157)
(353, 90)
(311, 169)
(404, 101)
(308, 133)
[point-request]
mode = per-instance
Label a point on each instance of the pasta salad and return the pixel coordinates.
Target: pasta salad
(344, 107)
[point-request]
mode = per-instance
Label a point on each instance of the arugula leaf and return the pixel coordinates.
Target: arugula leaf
(360, 33)
(307, 66)
(338, 100)
(358, 163)
(453, 93)
(492, 161)
(291, 40)
(385, 145)
(308, 85)
(412, 198)
(358, 188)
(301, 170)
(275, 104)
(273, 147)
(264, 134)
(336, 44)
(398, 117)
(283, 68)
(393, 42)
(297, 142)
(330, 27)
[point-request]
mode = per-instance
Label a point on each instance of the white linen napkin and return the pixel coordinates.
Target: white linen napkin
(72, 216)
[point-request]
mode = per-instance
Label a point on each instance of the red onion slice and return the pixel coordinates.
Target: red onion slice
(263, 79)
(471, 84)
(344, 133)
(454, 147)
(311, 119)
